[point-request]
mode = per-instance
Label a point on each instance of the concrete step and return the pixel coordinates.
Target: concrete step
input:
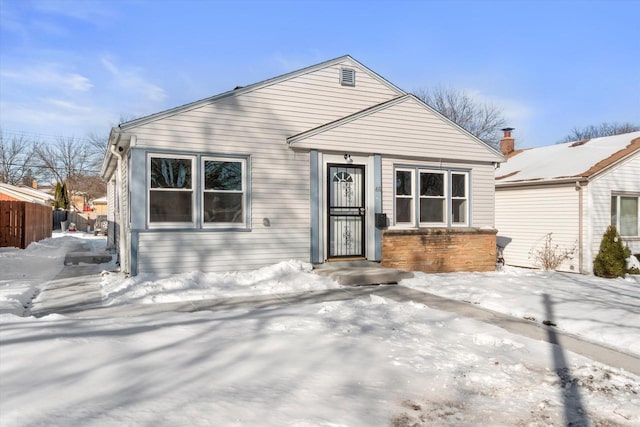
(361, 273)
(74, 258)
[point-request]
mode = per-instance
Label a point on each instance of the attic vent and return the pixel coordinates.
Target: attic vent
(347, 77)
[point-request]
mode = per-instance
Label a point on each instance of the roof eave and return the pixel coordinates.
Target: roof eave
(498, 153)
(344, 120)
(235, 92)
(615, 159)
(541, 182)
(117, 139)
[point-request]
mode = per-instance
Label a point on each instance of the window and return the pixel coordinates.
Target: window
(433, 207)
(459, 203)
(442, 197)
(224, 191)
(624, 214)
(404, 196)
(170, 189)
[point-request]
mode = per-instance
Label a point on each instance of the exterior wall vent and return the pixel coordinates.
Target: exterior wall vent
(347, 77)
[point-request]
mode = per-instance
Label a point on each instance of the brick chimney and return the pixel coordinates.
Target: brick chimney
(507, 142)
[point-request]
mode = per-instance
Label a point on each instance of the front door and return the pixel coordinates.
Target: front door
(346, 232)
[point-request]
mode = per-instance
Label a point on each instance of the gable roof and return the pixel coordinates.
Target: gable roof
(244, 89)
(485, 152)
(568, 161)
(118, 135)
(26, 194)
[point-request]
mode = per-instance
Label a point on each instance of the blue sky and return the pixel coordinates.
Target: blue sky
(69, 68)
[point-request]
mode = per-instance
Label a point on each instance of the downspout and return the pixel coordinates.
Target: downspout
(122, 239)
(579, 188)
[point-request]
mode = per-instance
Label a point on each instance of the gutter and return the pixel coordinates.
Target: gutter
(121, 240)
(114, 139)
(559, 181)
(580, 190)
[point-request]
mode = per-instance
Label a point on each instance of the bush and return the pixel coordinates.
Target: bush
(550, 255)
(611, 260)
(633, 264)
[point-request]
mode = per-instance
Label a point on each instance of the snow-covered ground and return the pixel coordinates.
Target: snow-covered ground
(601, 310)
(366, 362)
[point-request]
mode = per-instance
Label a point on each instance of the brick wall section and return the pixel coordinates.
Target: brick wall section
(440, 250)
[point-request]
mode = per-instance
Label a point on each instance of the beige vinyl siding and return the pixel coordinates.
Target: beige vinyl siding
(407, 128)
(274, 112)
(482, 187)
(525, 215)
(625, 177)
(222, 251)
(255, 124)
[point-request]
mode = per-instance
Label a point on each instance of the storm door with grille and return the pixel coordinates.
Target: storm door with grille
(346, 211)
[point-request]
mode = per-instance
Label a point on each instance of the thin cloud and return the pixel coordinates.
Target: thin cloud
(130, 79)
(49, 75)
(89, 11)
(55, 116)
(66, 105)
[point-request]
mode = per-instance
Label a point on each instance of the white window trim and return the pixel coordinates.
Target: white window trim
(466, 193)
(412, 197)
(244, 192)
(194, 174)
(448, 217)
(618, 196)
(445, 197)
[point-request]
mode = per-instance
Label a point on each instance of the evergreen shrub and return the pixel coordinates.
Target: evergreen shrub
(611, 259)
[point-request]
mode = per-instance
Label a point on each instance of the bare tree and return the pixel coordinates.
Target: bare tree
(597, 131)
(16, 155)
(71, 161)
(99, 142)
(98, 146)
(481, 119)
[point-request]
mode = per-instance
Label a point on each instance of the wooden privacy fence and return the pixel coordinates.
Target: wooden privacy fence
(22, 223)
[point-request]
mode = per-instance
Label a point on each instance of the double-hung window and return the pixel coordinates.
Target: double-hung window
(224, 192)
(624, 214)
(433, 200)
(171, 194)
(459, 198)
(431, 197)
(404, 196)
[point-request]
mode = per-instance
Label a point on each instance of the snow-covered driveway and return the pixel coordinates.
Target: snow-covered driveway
(362, 362)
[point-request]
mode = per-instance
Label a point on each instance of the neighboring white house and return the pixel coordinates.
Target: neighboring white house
(574, 190)
(24, 194)
(317, 164)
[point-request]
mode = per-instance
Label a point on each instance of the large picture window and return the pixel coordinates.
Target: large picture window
(433, 206)
(441, 199)
(224, 191)
(624, 214)
(170, 189)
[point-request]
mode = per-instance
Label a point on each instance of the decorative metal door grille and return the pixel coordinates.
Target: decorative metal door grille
(346, 211)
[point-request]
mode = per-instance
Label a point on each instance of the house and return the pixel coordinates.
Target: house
(25, 215)
(99, 206)
(574, 190)
(24, 194)
(330, 162)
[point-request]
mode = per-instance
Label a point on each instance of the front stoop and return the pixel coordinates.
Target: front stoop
(75, 258)
(361, 273)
